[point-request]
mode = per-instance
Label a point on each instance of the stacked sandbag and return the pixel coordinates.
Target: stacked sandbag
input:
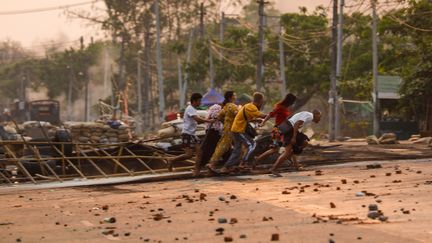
(388, 138)
(424, 140)
(414, 138)
(7, 132)
(372, 140)
(174, 128)
(98, 132)
(33, 129)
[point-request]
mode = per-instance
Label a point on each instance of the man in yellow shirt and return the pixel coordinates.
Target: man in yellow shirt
(247, 113)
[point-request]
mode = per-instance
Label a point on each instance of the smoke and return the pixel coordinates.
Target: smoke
(99, 88)
(40, 94)
(100, 74)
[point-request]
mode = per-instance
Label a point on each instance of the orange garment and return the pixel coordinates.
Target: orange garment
(252, 112)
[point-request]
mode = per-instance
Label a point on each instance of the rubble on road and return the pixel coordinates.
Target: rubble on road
(372, 140)
(386, 138)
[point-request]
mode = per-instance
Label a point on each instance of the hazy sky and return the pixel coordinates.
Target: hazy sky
(34, 30)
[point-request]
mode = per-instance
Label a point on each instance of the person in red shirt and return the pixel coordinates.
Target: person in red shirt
(281, 112)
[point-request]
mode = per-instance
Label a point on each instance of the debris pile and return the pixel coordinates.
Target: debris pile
(421, 140)
(374, 213)
(386, 138)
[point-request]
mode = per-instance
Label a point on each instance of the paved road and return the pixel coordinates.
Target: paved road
(296, 208)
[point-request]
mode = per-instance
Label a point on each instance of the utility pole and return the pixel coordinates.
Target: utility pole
(376, 127)
(339, 67)
(72, 80)
(282, 61)
(332, 93)
(180, 82)
(69, 96)
(122, 82)
(139, 92)
(211, 67)
(82, 42)
(186, 76)
(105, 73)
(23, 87)
(202, 13)
(86, 88)
(260, 68)
(159, 65)
(147, 76)
(221, 34)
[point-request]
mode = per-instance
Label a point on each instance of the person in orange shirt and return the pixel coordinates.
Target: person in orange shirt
(281, 112)
(247, 113)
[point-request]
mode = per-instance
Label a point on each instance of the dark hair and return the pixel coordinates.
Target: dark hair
(195, 97)
(288, 100)
(228, 95)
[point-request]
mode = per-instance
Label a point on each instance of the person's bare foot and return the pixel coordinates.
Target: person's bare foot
(274, 173)
(196, 173)
(169, 164)
(225, 170)
(212, 168)
(298, 166)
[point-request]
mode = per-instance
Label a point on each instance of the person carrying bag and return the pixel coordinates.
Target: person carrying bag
(242, 134)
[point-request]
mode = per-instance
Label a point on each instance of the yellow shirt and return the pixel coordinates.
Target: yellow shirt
(227, 114)
(239, 124)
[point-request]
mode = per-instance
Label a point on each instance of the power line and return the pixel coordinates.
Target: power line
(37, 10)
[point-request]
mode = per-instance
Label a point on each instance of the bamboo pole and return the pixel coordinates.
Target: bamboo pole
(140, 160)
(5, 177)
(108, 156)
(59, 152)
(95, 157)
(94, 164)
(25, 171)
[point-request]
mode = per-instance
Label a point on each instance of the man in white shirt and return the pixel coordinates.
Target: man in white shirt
(289, 130)
(190, 141)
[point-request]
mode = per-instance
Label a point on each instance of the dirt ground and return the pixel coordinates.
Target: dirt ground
(322, 204)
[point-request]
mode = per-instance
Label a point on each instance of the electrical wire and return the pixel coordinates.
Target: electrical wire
(38, 10)
(392, 17)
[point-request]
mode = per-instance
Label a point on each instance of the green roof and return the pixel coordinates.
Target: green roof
(389, 84)
(388, 87)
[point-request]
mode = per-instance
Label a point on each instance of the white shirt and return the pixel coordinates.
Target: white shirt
(189, 123)
(304, 116)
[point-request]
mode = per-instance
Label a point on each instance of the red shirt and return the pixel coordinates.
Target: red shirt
(280, 113)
